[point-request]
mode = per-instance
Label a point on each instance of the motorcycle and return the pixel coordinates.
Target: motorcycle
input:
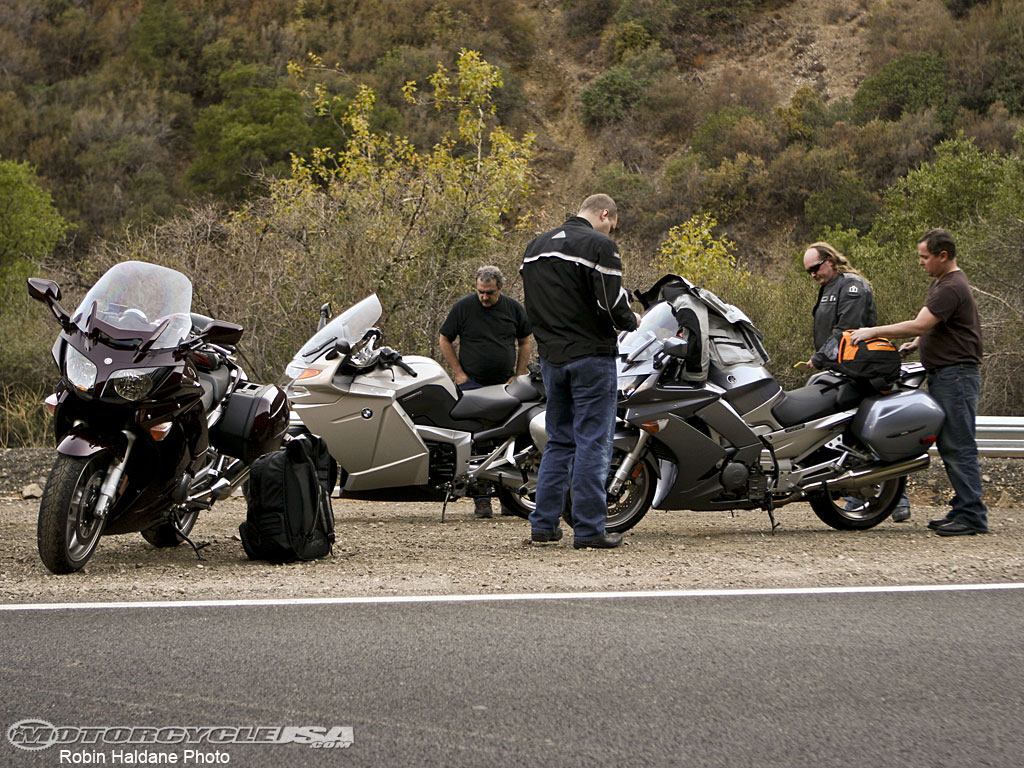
(154, 419)
(711, 428)
(399, 427)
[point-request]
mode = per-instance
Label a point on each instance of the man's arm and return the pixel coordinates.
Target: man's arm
(522, 356)
(448, 350)
(920, 325)
(611, 297)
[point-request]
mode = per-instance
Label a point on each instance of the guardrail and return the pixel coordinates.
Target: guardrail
(1000, 436)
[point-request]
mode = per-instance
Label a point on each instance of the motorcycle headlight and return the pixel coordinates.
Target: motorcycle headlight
(132, 383)
(80, 370)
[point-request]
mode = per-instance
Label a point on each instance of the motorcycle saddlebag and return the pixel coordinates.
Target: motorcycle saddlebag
(898, 426)
(254, 421)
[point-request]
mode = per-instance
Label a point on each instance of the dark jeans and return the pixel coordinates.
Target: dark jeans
(957, 389)
(580, 422)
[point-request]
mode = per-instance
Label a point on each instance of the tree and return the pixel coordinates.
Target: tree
(29, 224)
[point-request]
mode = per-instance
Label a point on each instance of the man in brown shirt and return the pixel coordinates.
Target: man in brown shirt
(947, 332)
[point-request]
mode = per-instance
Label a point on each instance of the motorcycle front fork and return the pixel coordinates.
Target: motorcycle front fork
(113, 479)
(625, 469)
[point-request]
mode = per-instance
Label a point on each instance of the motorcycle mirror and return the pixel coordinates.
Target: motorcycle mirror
(674, 347)
(222, 332)
(325, 314)
(48, 292)
(43, 290)
(340, 348)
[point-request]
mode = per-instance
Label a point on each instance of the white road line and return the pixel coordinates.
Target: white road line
(506, 597)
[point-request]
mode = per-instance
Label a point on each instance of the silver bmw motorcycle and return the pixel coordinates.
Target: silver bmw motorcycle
(400, 429)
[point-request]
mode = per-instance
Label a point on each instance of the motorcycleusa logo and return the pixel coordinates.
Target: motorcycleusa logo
(34, 735)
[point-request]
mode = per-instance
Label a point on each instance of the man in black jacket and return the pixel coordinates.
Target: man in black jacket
(572, 281)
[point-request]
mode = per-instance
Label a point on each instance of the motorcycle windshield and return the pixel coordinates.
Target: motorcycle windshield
(349, 326)
(637, 348)
(137, 297)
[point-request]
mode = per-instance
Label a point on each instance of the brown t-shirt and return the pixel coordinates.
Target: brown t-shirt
(956, 338)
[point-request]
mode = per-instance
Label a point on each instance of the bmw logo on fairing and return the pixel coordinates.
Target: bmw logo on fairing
(367, 413)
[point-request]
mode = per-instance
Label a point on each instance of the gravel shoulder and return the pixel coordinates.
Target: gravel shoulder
(405, 549)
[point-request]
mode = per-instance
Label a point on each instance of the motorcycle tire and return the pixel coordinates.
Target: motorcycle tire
(166, 534)
(68, 531)
(514, 504)
(633, 500)
(879, 502)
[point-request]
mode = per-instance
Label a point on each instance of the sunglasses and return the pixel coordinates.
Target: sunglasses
(813, 270)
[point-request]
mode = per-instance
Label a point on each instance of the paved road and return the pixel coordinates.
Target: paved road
(872, 679)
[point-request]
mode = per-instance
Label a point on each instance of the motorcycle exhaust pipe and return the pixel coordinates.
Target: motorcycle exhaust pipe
(872, 474)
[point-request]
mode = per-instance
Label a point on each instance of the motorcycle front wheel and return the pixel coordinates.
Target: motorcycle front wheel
(68, 529)
(629, 506)
(859, 508)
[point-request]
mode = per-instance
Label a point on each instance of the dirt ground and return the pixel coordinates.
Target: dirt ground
(404, 549)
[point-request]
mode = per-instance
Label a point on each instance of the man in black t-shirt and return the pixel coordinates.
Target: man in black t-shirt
(494, 341)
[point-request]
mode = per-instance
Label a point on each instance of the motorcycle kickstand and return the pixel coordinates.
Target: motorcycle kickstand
(195, 547)
(769, 507)
(447, 497)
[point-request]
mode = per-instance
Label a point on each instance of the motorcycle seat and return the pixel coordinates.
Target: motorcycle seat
(523, 389)
(818, 399)
(215, 385)
(489, 404)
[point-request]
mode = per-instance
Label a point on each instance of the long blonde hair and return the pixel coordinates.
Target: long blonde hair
(828, 252)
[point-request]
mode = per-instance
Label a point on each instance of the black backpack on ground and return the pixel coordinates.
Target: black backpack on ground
(873, 365)
(289, 515)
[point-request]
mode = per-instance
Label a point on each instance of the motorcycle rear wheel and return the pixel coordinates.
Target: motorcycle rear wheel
(879, 502)
(68, 530)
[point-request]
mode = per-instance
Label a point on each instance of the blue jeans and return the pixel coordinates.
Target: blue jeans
(580, 422)
(957, 388)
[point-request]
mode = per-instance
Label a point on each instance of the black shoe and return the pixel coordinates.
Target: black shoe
(546, 537)
(608, 541)
(901, 514)
(957, 529)
(482, 507)
(938, 522)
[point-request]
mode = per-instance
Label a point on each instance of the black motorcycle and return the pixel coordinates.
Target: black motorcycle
(154, 420)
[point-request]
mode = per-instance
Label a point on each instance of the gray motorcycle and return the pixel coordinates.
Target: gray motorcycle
(711, 428)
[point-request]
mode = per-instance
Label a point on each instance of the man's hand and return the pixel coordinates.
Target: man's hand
(461, 378)
(908, 348)
(862, 334)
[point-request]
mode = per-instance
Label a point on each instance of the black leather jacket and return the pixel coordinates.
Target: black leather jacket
(572, 283)
(844, 302)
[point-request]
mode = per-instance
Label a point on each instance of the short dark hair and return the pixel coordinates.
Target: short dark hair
(937, 241)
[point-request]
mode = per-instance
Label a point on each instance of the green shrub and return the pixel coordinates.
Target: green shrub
(847, 203)
(613, 96)
(730, 131)
(910, 83)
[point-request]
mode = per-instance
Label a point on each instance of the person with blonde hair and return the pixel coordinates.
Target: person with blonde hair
(845, 301)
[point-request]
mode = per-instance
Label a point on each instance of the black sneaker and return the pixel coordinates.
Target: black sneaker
(482, 507)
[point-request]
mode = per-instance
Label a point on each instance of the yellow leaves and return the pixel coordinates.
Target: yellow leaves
(693, 251)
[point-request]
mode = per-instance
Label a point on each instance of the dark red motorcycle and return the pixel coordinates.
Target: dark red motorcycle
(154, 419)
